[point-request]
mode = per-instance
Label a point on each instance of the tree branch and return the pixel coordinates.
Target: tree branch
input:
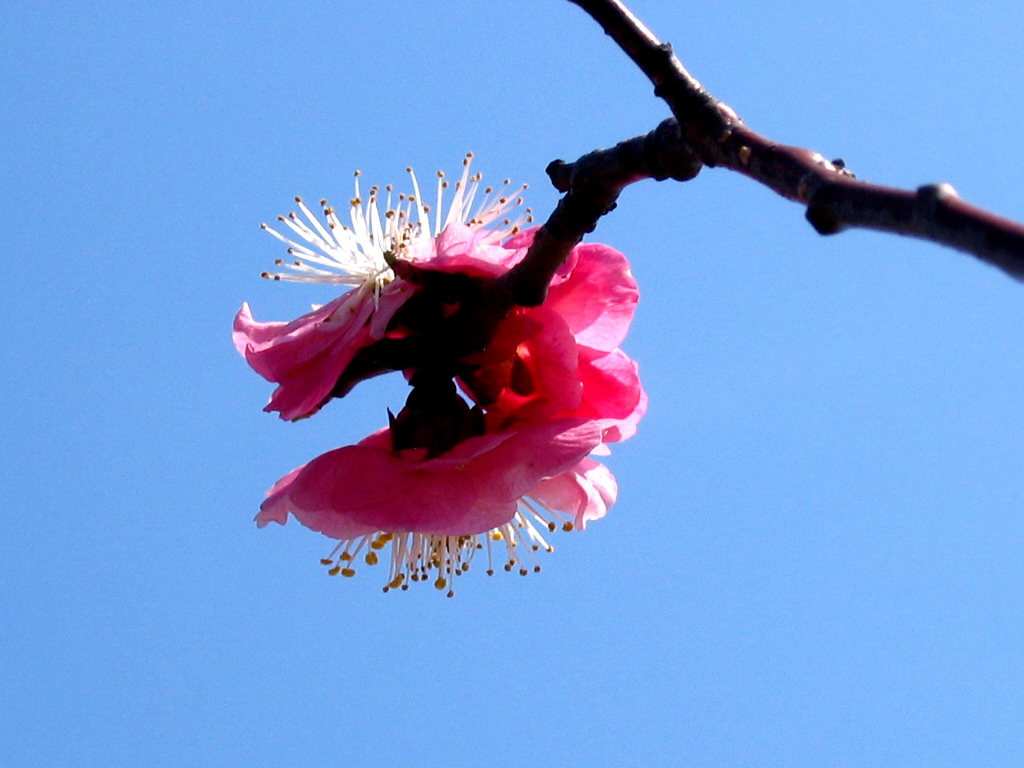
(708, 132)
(592, 185)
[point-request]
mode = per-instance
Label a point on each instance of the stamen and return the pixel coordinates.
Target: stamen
(329, 251)
(441, 559)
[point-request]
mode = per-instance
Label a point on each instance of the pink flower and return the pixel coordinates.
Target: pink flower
(451, 477)
(307, 356)
(437, 512)
(545, 402)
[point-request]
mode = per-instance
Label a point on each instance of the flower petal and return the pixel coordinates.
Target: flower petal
(368, 486)
(586, 492)
(612, 392)
(308, 355)
(599, 297)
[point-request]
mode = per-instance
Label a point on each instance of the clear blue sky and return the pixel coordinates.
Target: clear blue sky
(817, 557)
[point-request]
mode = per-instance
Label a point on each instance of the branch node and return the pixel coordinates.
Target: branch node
(930, 196)
(823, 219)
(560, 173)
(666, 154)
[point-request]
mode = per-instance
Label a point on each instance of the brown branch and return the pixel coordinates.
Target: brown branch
(707, 131)
(592, 185)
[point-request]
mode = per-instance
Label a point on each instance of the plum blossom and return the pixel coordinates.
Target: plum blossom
(306, 357)
(492, 450)
(504, 489)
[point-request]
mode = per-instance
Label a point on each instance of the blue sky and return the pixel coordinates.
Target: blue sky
(817, 556)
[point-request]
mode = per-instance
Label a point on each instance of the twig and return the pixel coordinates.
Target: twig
(708, 132)
(592, 185)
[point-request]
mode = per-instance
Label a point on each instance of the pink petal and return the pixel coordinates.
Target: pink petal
(307, 356)
(586, 492)
(532, 377)
(599, 297)
(612, 392)
(369, 487)
(277, 506)
(306, 385)
(461, 249)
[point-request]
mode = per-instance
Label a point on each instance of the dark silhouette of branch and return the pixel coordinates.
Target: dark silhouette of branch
(708, 132)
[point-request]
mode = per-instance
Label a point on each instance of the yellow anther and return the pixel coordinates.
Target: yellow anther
(348, 572)
(326, 561)
(335, 570)
(440, 583)
(371, 558)
(567, 526)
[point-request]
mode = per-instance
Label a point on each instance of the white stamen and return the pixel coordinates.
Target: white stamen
(353, 254)
(439, 559)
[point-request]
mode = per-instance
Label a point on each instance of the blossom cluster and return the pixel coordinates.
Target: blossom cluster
(494, 448)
